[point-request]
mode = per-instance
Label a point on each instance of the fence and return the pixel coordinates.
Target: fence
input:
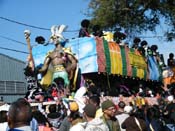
(12, 90)
(12, 87)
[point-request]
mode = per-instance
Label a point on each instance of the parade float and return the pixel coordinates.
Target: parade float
(109, 65)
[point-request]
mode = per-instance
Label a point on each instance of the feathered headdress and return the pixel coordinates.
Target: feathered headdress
(57, 36)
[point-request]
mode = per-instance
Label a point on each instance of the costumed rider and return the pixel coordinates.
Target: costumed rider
(58, 58)
(83, 32)
(144, 49)
(119, 37)
(159, 57)
(97, 31)
(136, 42)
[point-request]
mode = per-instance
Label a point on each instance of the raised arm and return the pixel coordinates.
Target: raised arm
(30, 57)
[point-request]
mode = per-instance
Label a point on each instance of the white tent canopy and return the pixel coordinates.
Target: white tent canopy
(4, 107)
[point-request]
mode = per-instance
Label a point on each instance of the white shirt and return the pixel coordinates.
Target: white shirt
(24, 128)
(121, 117)
(3, 126)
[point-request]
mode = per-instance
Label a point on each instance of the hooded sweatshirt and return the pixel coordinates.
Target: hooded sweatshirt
(96, 124)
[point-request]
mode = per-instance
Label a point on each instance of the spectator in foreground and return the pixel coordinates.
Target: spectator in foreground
(19, 116)
(75, 119)
(135, 122)
(91, 123)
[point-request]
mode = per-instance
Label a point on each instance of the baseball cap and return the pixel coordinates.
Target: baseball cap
(73, 106)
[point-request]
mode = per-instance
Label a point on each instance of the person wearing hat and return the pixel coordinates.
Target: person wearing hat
(66, 123)
(109, 111)
(76, 120)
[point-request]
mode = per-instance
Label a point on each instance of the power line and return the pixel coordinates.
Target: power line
(14, 50)
(32, 26)
(41, 28)
(13, 21)
(155, 36)
(4, 37)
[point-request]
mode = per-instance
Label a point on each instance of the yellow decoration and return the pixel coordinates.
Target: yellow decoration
(137, 60)
(108, 36)
(47, 79)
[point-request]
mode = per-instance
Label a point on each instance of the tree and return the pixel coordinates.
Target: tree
(134, 16)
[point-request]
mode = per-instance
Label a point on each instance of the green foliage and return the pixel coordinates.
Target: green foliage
(135, 16)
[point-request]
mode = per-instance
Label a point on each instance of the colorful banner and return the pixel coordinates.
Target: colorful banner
(101, 59)
(128, 63)
(107, 55)
(116, 58)
(154, 73)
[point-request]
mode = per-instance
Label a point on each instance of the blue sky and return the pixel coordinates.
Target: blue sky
(40, 13)
(45, 13)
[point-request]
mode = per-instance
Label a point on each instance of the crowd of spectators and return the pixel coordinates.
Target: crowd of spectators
(89, 112)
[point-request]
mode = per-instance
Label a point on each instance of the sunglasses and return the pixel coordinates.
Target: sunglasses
(111, 109)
